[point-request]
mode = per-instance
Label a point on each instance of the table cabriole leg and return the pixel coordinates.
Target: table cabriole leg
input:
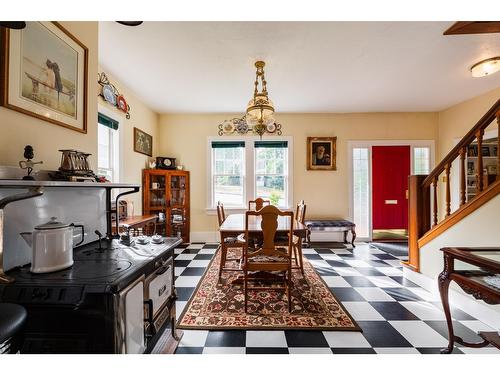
(444, 284)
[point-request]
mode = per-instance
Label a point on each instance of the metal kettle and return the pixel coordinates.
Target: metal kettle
(52, 245)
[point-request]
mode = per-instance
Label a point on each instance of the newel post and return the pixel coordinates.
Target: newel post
(419, 217)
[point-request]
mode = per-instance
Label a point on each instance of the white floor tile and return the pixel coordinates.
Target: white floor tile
(476, 325)
(178, 270)
(195, 246)
(341, 251)
(424, 294)
(384, 282)
(362, 311)
(199, 263)
(224, 350)
(419, 334)
(374, 294)
(262, 339)
(396, 351)
(424, 310)
(194, 338)
(479, 350)
(309, 351)
(336, 282)
(347, 271)
(330, 257)
(346, 339)
(393, 262)
(319, 263)
(390, 271)
(207, 251)
(308, 251)
(376, 251)
(185, 257)
(357, 263)
(179, 308)
(178, 250)
(187, 281)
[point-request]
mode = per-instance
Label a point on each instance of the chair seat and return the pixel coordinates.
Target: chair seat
(12, 318)
(239, 240)
(268, 259)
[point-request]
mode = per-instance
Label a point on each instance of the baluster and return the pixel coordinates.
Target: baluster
(463, 176)
(498, 147)
(479, 136)
(448, 193)
(435, 208)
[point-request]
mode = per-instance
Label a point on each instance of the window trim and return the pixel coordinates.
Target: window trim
(249, 173)
(117, 139)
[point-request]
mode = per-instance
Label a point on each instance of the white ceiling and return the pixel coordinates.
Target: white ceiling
(310, 66)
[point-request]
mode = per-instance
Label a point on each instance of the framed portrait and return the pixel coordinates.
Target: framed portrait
(143, 142)
(322, 153)
(44, 74)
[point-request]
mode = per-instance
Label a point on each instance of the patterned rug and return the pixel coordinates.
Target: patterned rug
(219, 304)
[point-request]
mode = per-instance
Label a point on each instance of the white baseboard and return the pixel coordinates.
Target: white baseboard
(477, 309)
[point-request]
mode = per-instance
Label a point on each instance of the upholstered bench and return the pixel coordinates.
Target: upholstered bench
(331, 225)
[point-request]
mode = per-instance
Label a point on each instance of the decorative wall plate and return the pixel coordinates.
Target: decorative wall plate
(109, 95)
(228, 127)
(121, 103)
(241, 126)
(271, 128)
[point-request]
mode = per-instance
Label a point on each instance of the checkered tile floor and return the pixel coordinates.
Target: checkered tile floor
(396, 315)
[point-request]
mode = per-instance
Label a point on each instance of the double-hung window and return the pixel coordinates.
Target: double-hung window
(244, 169)
(108, 148)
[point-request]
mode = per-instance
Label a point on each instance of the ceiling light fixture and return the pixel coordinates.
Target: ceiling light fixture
(486, 67)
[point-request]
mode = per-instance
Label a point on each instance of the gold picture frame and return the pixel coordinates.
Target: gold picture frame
(321, 153)
(44, 74)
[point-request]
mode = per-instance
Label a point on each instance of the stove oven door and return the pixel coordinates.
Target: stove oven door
(129, 330)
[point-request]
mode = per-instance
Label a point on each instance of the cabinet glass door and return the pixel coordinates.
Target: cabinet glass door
(157, 192)
(177, 191)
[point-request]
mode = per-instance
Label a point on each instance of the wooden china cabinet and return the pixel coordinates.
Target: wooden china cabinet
(166, 194)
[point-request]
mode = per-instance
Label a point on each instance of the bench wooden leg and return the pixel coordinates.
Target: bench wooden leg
(353, 232)
(308, 238)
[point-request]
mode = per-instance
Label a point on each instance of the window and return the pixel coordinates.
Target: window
(108, 148)
(243, 170)
(361, 196)
(421, 160)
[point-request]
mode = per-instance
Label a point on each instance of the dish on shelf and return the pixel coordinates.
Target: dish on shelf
(109, 94)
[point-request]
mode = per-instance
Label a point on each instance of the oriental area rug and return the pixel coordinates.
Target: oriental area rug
(218, 304)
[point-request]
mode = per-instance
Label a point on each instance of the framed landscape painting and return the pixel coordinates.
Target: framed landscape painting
(143, 142)
(44, 74)
(322, 153)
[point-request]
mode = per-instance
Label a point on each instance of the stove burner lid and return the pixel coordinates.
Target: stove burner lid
(86, 270)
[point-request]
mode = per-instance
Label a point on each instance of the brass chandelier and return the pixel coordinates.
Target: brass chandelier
(259, 117)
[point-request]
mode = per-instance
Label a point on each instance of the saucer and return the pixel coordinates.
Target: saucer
(142, 240)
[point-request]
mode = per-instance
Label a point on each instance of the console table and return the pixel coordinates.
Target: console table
(472, 282)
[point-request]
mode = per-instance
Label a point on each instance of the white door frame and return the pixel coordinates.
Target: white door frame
(369, 144)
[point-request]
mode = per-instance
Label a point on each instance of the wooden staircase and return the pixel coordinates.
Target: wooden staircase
(424, 224)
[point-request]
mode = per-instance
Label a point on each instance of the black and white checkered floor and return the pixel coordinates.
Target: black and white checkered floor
(396, 315)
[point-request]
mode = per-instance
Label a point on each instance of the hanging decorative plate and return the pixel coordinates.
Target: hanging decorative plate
(109, 95)
(228, 127)
(241, 126)
(121, 103)
(271, 128)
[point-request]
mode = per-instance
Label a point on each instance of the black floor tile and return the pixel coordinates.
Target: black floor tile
(382, 335)
(455, 312)
(377, 263)
(191, 251)
(347, 294)
(313, 256)
(358, 281)
(402, 294)
(193, 271)
(459, 330)
(226, 338)
(437, 350)
(184, 293)
(346, 256)
(181, 263)
(326, 271)
(369, 271)
(404, 282)
(182, 246)
(353, 351)
(304, 339)
(204, 256)
(385, 256)
(267, 350)
(324, 251)
(189, 350)
(211, 246)
(393, 311)
(337, 263)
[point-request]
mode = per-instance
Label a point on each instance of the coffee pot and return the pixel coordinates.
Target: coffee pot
(52, 245)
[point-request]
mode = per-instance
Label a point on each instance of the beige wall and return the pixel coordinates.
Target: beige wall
(184, 136)
(18, 130)
(142, 117)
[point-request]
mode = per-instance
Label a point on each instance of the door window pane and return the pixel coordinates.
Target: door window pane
(421, 160)
(361, 181)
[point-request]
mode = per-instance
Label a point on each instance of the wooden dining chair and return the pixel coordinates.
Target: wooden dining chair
(257, 204)
(300, 217)
(268, 257)
(227, 242)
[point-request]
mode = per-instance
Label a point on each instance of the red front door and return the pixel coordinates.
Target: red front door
(390, 171)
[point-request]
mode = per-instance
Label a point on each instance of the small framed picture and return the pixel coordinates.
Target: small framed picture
(143, 142)
(485, 151)
(322, 153)
(470, 167)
